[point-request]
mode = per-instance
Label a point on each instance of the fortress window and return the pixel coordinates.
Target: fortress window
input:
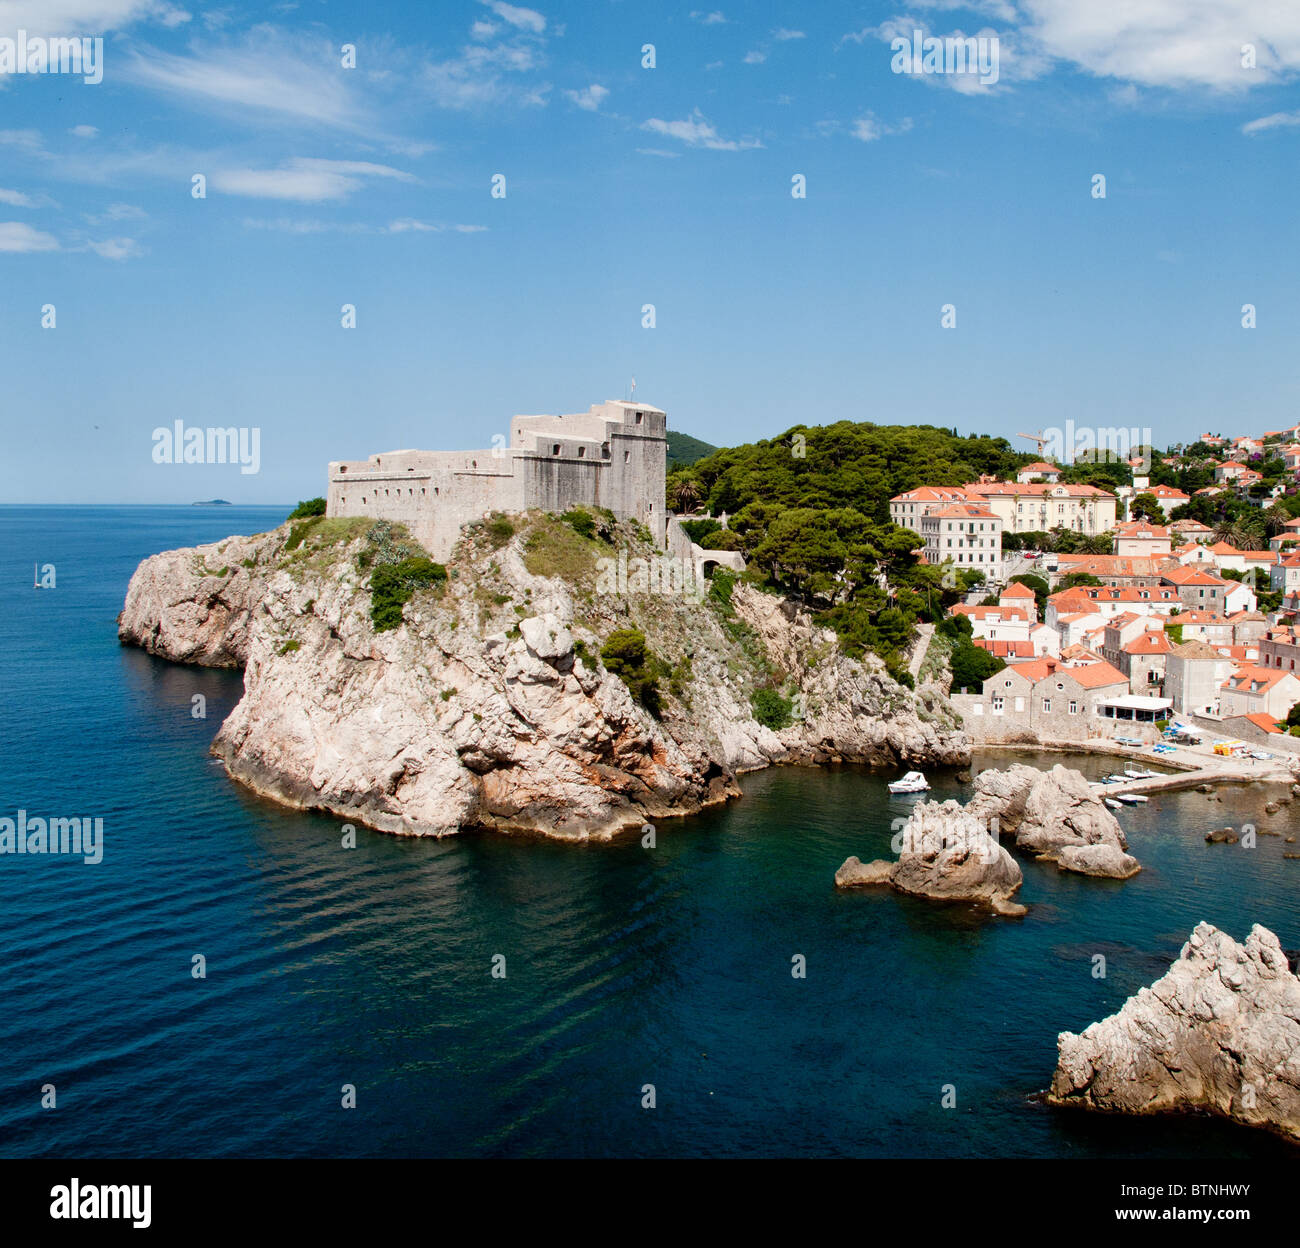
(638, 417)
(555, 450)
(604, 450)
(343, 467)
(582, 452)
(626, 456)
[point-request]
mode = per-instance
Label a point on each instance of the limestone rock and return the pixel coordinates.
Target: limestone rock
(857, 874)
(1219, 1032)
(1104, 860)
(1052, 812)
(946, 855)
(949, 854)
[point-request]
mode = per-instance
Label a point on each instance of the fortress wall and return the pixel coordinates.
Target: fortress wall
(603, 458)
(556, 483)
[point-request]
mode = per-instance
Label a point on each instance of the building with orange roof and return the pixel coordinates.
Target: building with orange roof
(1034, 508)
(1251, 690)
(1040, 470)
(965, 535)
(908, 508)
(1141, 538)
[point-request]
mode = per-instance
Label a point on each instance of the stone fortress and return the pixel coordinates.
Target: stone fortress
(612, 456)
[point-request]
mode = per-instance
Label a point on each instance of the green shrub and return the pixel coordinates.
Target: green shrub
(290, 646)
(298, 533)
(771, 709)
(723, 539)
(500, 530)
(309, 507)
(583, 523)
(393, 584)
(698, 530)
(624, 653)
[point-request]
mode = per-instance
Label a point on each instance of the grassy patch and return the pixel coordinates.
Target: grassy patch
(553, 548)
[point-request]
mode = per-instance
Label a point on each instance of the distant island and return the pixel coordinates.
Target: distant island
(212, 502)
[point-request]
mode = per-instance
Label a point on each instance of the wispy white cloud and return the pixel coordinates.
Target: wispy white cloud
(18, 237)
(697, 131)
(16, 199)
(523, 19)
(85, 17)
(117, 212)
(268, 74)
(493, 70)
(403, 225)
(303, 179)
(707, 18)
(589, 98)
(1271, 122)
(870, 128)
(116, 249)
(84, 132)
(782, 35)
(755, 57)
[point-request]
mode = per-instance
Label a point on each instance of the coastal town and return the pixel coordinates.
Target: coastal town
(1155, 626)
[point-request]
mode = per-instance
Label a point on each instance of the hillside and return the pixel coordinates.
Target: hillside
(684, 450)
(810, 512)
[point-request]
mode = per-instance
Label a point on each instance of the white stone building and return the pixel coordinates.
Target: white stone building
(967, 535)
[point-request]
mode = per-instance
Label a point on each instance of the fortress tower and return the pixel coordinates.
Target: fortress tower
(614, 456)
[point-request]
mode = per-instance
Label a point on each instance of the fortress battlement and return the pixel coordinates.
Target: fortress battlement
(613, 456)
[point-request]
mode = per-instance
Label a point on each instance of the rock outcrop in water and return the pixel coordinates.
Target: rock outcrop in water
(488, 706)
(946, 854)
(1220, 1032)
(1056, 815)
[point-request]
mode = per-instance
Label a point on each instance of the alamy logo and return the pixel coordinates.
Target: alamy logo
(53, 836)
(955, 54)
(104, 1200)
(197, 445)
(38, 55)
(662, 575)
(1094, 444)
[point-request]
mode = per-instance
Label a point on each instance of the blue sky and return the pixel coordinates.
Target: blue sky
(628, 186)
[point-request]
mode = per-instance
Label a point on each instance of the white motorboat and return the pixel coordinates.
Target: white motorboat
(1133, 799)
(913, 782)
(1112, 803)
(1136, 773)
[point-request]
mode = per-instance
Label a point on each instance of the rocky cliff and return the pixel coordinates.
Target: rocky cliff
(488, 705)
(1220, 1032)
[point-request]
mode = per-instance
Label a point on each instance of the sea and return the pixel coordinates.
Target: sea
(490, 996)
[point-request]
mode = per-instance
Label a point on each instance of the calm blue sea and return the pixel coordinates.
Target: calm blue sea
(624, 967)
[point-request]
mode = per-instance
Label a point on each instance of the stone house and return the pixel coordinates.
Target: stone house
(1042, 700)
(1259, 690)
(1194, 673)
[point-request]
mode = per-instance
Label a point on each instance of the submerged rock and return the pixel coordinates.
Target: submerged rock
(1219, 1032)
(946, 854)
(1056, 815)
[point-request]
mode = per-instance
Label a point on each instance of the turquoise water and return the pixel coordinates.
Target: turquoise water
(624, 967)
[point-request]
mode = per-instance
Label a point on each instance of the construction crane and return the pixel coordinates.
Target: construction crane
(1037, 439)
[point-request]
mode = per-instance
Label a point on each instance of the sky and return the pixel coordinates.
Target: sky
(349, 153)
